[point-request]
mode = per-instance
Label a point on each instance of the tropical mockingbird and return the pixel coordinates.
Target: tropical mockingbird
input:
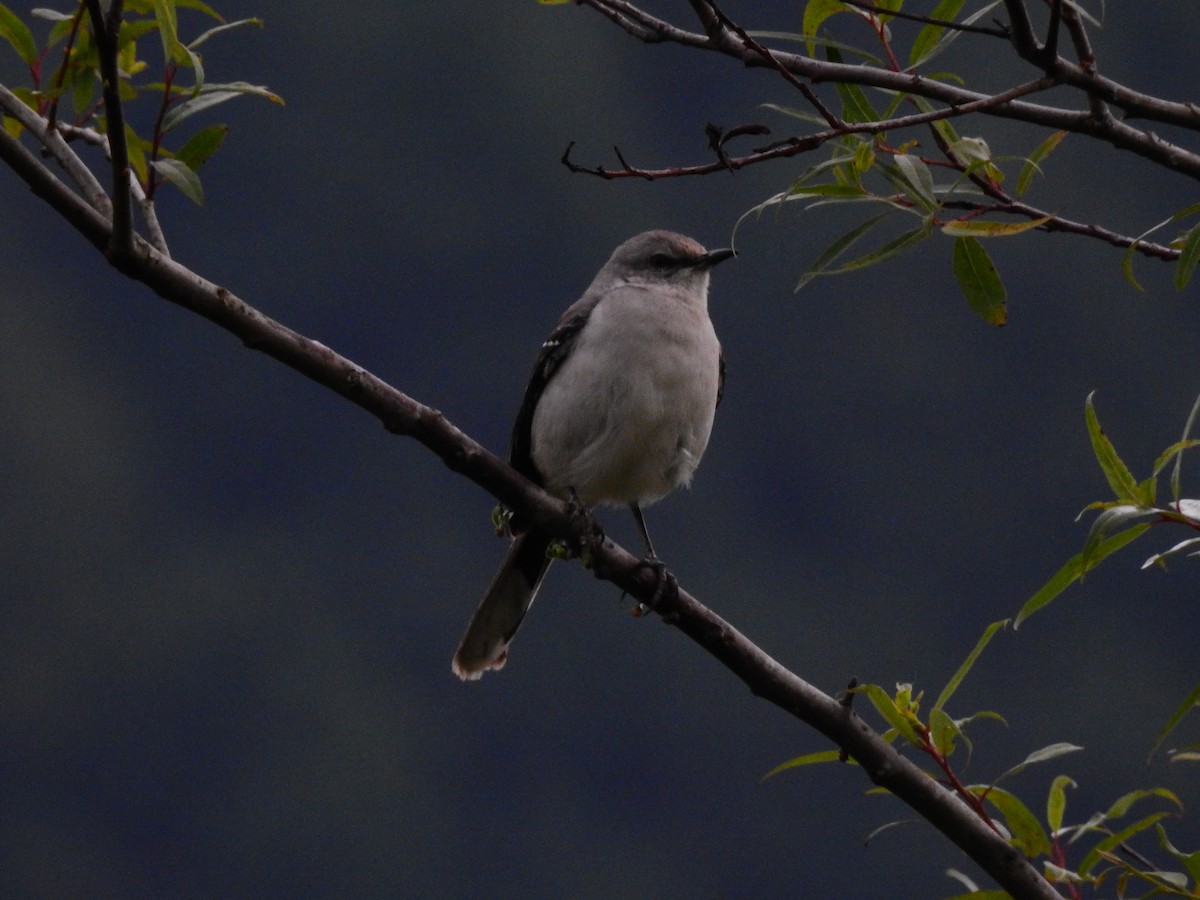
(617, 412)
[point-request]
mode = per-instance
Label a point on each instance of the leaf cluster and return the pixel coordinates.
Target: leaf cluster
(1100, 843)
(65, 74)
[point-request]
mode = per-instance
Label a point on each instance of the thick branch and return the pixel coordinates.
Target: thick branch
(401, 414)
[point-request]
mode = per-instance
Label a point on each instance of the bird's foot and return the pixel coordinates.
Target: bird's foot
(591, 535)
(666, 585)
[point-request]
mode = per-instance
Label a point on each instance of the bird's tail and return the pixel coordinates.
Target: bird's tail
(485, 645)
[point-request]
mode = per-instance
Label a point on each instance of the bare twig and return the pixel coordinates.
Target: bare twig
(1119, 133)
(989, 31)
(54, 144)
(794, 146)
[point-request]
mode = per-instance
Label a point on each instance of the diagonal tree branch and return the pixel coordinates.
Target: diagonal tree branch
(402, 415)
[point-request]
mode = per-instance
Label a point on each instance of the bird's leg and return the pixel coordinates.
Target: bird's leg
(665, 580)
(592, 535)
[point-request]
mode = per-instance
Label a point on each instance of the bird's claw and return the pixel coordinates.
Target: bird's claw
(665, 583)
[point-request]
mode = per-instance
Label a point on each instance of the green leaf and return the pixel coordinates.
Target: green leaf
(201, 146)
(838, 247)
(1032, 164)
(977, 228)
(1053, 751)
(943, 731)
(200, 6)
(1189, 255)
(1125, 802)
(979, 281)
(1178, 548)
(1119, 837)
(1111, 520)
(1190, 702)
(882, 701)
(212, 32)
(1056, 802)
(1127, 261)
(929, 40)
(957, 679)
(1073, 570)
(210, 95)
(1191, 861)
(815, 14)
(182, 177)
(887, 251)
(855, 105)
(1176, 482)
(1027, 833)
(1120, 479)
(13, 30)
(917, 178)
(168, 28)
(822, 756)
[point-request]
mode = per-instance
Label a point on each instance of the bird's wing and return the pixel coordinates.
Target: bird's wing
(553, 353)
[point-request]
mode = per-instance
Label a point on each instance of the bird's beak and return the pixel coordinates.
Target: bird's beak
(712, 257)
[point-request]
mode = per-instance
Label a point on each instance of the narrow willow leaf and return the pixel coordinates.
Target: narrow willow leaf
(13, 30)
(1120, 479)
(1191, 861)
(886, 706)
(1190, 702)
(815, 14)
(943, 731)
(1181, 546)
(838, 247)
(1027, 832)
(1096, 853)
(1127, 261)
(977, 228)
(1171, 452)
(1109, 521)
(1056, 802)
(855, 105)
(1125, 802)
(209, 96)
(1176, 481)
(1053, 751)
(917, 178)
(201, 146)
(887, 251)
(1073, 570)
(168, 27)
(182, 177)
(227, 27)
(979, 281)
(822, 756)
(830, 190)
(1033, 163)
(932, 39)
(957, 679)
(1189, 255)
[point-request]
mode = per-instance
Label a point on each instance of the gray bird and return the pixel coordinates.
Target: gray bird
(618, 411)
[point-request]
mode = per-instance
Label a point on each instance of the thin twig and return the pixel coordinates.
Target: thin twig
(53, 142)
(105, 29)
(929, 20)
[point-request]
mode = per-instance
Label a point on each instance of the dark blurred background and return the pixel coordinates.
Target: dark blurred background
(228, 599)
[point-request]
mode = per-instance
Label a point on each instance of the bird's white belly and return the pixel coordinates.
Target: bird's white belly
(628, 430)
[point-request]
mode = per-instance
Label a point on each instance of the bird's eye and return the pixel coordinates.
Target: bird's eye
(662, 261)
